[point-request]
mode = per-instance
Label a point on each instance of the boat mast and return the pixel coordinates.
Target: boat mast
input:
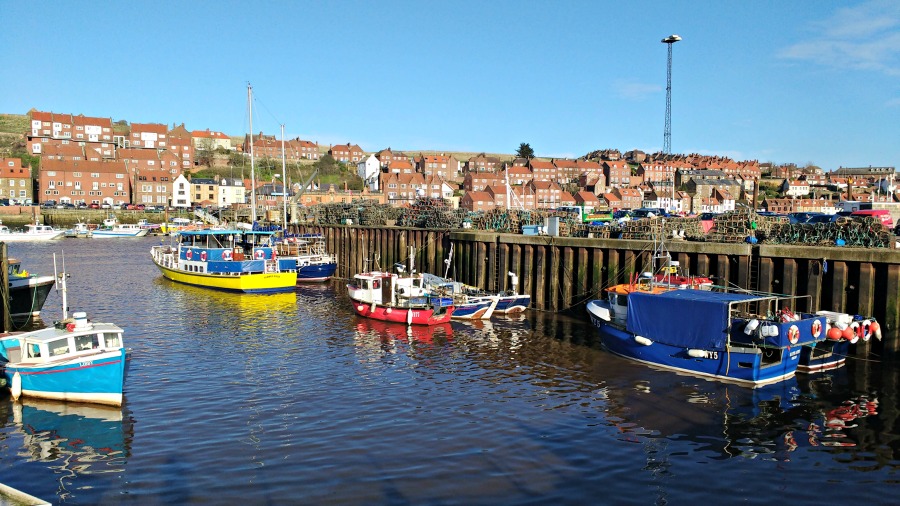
(283, 185)
(252, 168)
(61, 284)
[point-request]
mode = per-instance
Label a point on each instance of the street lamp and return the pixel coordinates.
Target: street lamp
(667, 136)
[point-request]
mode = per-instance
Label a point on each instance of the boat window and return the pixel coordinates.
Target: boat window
(376, 285)
(34, 351)
(365, 284)
(112, 340)
(58, 347)
(87, 342)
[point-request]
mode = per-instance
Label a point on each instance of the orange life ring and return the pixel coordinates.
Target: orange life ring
(259, 254)
(816, 328)
(203, 256)
(793, 334)
(226, 255)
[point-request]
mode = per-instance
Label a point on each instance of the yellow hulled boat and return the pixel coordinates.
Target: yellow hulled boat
(231, 260)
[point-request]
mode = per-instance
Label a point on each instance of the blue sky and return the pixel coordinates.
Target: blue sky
(800, 82)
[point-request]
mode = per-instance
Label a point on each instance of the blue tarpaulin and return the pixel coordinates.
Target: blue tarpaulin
(689, 318)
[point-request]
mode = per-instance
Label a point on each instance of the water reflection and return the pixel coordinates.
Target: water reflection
(73, 440)
(389, 336)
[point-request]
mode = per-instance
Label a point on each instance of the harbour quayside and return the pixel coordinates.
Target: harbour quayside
(231, 260)
(735, 337)
(74, 360)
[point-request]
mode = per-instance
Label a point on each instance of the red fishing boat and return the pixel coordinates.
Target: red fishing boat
(394, 298)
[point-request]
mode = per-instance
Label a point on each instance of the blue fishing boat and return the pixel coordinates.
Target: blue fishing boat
(74, 360)
(745, 338)
(307, 255)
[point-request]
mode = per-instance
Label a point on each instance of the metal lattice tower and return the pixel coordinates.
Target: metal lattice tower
(667, 135)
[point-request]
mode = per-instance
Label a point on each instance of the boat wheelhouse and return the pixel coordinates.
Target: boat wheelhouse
(231, 260)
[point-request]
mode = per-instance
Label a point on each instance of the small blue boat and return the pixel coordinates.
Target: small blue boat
(72, 361)
(745, 338)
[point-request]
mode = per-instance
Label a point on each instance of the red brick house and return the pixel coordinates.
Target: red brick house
(15, 181)
(84, 181)
(479, 181)
(543, 171)
(483, 163)
(346, 153)
(151, 174)
(548, 194)
(617, 173)
(567, 171)
(477, 201)
(147, 136)
(630, 198)
(181, 145)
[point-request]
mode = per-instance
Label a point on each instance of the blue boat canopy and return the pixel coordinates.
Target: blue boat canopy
(689, 318)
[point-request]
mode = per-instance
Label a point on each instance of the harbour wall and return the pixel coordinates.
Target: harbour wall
(562, 273)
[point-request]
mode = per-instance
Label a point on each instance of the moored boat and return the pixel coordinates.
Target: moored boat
(841, 331)
(721, 335)
(74, 360)
(307, 255)
(27, 292)
(112, 228)
(80, 230)
(33, 232)
(231, 260)
(403, 299)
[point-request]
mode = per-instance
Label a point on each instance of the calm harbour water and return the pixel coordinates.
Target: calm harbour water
(292, 399)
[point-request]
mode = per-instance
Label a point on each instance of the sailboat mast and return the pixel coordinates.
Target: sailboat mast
(283, 183)
(252, 167)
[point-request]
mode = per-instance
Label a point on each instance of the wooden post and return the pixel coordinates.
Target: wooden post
(4, 288)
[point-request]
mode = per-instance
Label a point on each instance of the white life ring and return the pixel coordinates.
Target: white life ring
(816, 328)
(226, 255)
(203, 256)
(793, 334)
(189, 254)
(259, 254)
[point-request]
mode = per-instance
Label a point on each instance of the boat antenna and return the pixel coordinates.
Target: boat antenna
(61, 284)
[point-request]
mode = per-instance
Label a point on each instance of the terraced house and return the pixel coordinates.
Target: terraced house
(15, 182)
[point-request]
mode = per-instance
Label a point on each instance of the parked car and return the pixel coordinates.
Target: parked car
(48, 204)
(94, 205)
